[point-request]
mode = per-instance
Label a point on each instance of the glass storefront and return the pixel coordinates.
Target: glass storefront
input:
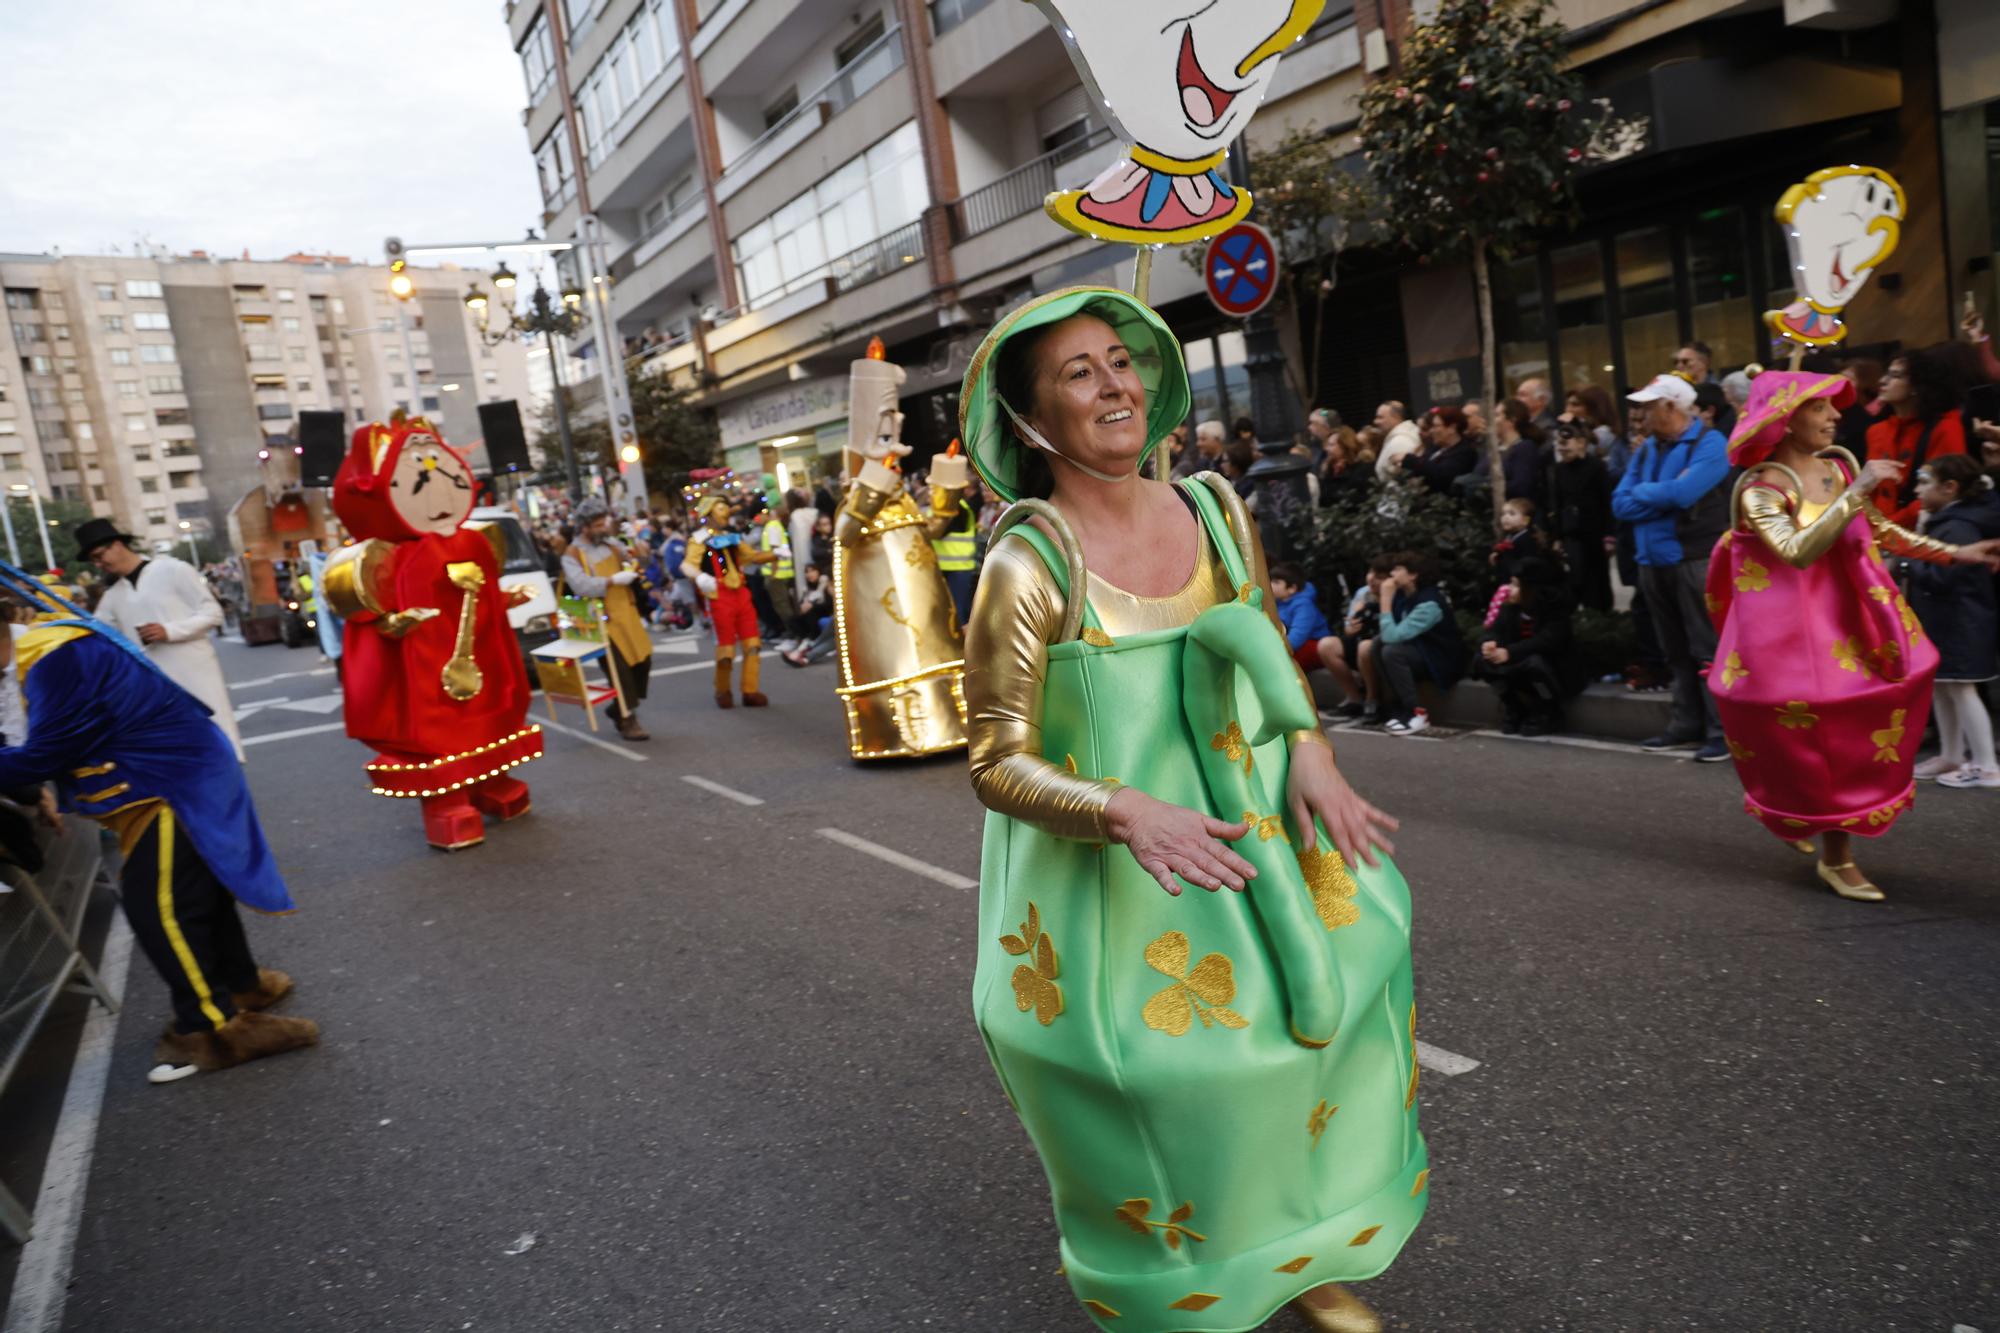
(1219, 375)
(1612, 309)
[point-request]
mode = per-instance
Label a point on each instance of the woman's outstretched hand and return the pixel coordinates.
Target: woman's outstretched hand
(1169, 840)
(1316, 787)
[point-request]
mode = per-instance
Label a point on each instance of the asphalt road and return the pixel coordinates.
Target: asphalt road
(721, 1069)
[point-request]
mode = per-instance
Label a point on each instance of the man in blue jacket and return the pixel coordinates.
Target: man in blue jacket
(1673, 494)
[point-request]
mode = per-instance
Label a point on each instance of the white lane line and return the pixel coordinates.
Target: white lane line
(708, 665)
(1444, 1062)
(896, 858)
(296, 731)
(41, 1283)
(1574, 742)
(730, 793)
(622, 751)
(282, 675)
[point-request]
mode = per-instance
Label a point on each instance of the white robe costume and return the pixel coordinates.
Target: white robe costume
(173, 594)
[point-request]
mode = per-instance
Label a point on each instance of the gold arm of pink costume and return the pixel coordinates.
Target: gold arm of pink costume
(1768, 511)
(1017, 612)
(864, 504)
(1899, 539)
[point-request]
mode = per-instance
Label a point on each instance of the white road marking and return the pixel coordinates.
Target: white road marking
(322, 704)
(296, 731)
(730, 793)
(248, 710)
(677, 647)
(896, 858)
(282, 675)
(41, 1282)
(623, 751)
(1444, 1062)
(708, 665)
(1575, 742)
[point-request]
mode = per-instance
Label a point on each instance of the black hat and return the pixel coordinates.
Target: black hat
(95, 532)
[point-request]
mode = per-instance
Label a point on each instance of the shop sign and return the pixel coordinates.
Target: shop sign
(792, 410)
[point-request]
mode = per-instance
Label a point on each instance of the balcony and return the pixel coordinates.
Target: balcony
(1023, 189)
(656, 278)
(855, 80)
(948, 14)
(991, 50)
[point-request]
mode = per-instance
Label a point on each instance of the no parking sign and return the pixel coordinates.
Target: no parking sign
(1241, 270)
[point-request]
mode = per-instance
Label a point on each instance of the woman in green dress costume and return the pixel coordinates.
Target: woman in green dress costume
(1221, 1084)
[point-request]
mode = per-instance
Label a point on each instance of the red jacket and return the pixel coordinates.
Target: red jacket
(1895, 437)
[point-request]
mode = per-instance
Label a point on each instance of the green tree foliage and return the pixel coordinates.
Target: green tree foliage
(675, 436)
(62, 516)
(1378, 520)
(1473, 145)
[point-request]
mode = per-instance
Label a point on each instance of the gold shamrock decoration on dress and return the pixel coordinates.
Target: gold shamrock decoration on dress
(1797, 715)
(1887, 739)
(1035, 983)
(1733, 670)
(1133, 1213)
(1097, 638)
(1849, 655)
(1752, 577)
(1266, 827)
(1204, 992)
(1910, 623)
(1322, 1116)
(1331, 884)
(1740, 752)
(1233, 746)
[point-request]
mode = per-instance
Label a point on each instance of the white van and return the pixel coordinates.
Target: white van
(534, 621)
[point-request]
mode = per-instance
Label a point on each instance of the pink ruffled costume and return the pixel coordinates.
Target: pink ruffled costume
(1822, 675)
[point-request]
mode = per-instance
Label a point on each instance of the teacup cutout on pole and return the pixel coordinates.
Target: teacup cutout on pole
(1178, 86)
(1839, 224)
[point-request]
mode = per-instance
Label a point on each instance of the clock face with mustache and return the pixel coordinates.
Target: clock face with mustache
(431, 485)
(1839, 225)
(1183, 78)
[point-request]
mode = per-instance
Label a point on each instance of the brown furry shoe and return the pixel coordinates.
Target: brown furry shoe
(753, 699)
(272, 986)
(724, 699)
(246, 1037)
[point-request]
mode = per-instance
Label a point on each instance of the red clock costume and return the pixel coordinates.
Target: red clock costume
(433, 677)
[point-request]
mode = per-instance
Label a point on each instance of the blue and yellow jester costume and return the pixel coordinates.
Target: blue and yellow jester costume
(132, 750)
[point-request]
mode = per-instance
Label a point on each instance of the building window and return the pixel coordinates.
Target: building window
(261, 352)
(59, 333)
(317, 304)
(128, 388)
(1649, 316)
(302, 386)
(491, 376)
(107, 291)
(538, 59)
(297, 353)
(151, 321)
(158, 354)
(171, 416)
(1718, 265)
(114, 323)
(37, 365)
(137, 425)
(858, 42)
(290, 323)
(27, 333)
(164, 384)
(122, 356)
(156, 518)
(97, 494)
(85, 431)
(23, 298)
(286, 295)
(149, 485)
(142, 452)
(396, 380)
(860, 201)
(180, 481)
(138, 287)
(554, 169)
(1583, 334)
(274, 411)
(776, 112)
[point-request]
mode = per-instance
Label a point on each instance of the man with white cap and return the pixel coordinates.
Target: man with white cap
(1673, 494)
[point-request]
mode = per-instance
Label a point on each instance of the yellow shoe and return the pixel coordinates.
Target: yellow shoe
(1804, 847)
(1863, 892)
(1335, 1309)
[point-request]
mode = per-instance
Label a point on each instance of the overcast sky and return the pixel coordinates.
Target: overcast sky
(224, 125)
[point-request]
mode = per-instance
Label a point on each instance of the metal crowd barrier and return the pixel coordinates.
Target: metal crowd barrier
(40, 957)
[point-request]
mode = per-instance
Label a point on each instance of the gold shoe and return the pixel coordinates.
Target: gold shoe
(1804, 847)
(1863, 892)
(1345, 1314)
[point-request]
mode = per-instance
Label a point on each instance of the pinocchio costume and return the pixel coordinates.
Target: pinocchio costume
(433, 677)
(715, 561)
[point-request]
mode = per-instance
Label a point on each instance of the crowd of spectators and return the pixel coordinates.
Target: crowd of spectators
(1612, 507)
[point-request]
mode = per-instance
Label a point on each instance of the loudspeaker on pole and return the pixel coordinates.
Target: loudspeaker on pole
(323, 443)
(506, 445)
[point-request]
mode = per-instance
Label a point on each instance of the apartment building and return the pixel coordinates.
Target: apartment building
(780, 180)
(147, 386)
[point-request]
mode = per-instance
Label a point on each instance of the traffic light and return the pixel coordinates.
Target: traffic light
(401, 285)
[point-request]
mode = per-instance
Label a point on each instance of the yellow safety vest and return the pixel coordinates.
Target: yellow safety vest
(957, 550)
(783, 568)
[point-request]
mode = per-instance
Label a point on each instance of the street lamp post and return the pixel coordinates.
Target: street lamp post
(48, 552)
(194, 556)
(7, 517)
(552, 320)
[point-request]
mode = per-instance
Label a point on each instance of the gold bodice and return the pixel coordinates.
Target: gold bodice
(1018, 612)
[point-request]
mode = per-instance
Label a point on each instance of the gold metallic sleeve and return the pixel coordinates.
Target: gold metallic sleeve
(1260, 570)
(943, 515)
(1766, 510)
(863, 503)
(1017, 611)
(1900, 540)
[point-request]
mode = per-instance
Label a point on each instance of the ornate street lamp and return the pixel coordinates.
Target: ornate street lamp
(550, 318)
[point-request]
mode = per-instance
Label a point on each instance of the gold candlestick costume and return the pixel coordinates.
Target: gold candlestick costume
(902, 659)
